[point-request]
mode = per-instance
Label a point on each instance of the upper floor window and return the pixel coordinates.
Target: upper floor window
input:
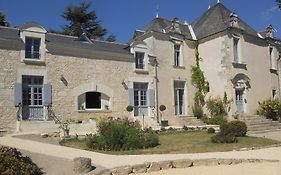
(236, 50)
(271, 58)
(177, 54)
(139, 60)
(32, 48)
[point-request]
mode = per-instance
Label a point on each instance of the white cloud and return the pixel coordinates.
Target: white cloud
(267, 14)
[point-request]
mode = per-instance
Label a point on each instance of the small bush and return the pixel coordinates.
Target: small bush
(224, 139)
(198, 111)
(13, 163)
(235, 128)
(269, 109)
(211, 130)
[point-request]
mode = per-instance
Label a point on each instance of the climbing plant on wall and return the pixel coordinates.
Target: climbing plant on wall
(199, 81)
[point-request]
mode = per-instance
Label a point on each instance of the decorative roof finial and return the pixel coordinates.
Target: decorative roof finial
(157, 11)
(218, 1)
(209, 4)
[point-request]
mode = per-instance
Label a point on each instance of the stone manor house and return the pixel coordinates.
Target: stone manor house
(79, 78)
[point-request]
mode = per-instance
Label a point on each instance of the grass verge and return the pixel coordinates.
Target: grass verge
(188, 142)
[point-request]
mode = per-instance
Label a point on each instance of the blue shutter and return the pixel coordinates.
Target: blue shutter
(151, 97)
(47, 94)
(17, 94)
(131, 96)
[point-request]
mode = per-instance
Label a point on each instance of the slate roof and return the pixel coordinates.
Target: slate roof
(68, 41)
(158, 24)
(215, 20)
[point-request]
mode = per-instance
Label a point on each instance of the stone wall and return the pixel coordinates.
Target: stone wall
(92, 74)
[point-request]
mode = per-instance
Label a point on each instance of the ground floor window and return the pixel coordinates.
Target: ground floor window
(179, 95)
(93, 100)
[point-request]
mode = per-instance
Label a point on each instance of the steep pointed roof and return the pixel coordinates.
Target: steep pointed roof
(216, 19)
(160, 24)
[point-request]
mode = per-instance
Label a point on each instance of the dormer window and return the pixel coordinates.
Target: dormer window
(32, 48)
(139, 60)
(177, 54)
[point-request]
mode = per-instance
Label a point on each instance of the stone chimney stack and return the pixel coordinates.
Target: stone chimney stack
(234, 20)
(269, 31)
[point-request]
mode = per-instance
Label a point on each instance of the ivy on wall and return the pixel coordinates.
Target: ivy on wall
(199, 81)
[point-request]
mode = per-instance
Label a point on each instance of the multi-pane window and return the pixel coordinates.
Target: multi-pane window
(32, 48)
(139, 60)
(32, 90)
(236, 50)
(177, 55)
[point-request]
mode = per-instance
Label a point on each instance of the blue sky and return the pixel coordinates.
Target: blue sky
(122, 17)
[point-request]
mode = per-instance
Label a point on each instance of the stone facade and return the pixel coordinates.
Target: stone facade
(73, 67)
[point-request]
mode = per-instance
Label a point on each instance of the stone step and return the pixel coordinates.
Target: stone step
(263, 131)
(259, 124)
(254, 128)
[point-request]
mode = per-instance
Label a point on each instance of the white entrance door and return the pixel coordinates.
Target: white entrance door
(140, 99)
(240, 100)
(32, 93)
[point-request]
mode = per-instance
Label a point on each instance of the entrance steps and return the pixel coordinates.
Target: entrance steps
(259, 124)
(188, 121)
(147, 122)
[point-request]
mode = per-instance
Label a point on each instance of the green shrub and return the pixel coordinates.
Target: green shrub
(198, 111)
(13, 163)
(269, 109)
(235, 128)
(216, 107)
(150, 139)
(224, 139)
(121, 135)
(217, 120)
(211, 130)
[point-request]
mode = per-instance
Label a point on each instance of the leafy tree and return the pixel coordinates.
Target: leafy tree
(82, 20)
(3, 21)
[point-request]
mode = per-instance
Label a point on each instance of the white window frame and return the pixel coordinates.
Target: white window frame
(176, 98)
(271, 58)
(138, 63)
(237, 49)
(177, 55)
(33, 52)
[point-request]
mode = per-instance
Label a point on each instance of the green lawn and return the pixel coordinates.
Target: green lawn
(188, 142)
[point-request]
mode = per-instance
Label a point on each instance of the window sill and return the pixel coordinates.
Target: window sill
(178, 67)
(33, 61)
(239, 65)
(141, 71)
(94, 111)
(273, 70)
